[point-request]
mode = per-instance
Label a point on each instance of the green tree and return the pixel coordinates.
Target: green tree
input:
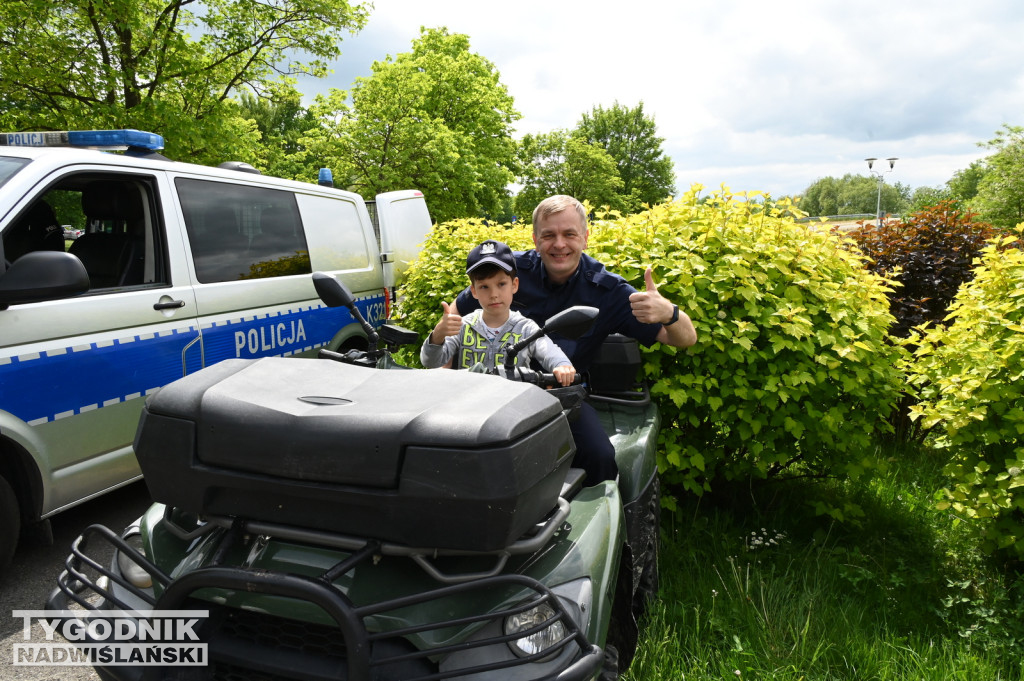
(561, 163)
(170, 66)
(282, 122)
(923, 197)
(630, 137)
(852, 194)
(437, 119)
(1000, 198)
(963, 186)
(821, 197)
(960, 189)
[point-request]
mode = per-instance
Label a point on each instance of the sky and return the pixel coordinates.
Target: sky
(759, 96)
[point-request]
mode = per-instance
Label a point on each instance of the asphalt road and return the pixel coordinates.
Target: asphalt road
(32, 575)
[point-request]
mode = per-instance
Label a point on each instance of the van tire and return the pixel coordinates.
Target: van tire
(10, 522)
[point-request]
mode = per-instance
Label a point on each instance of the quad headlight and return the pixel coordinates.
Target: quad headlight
(537, 641)
(533, 643)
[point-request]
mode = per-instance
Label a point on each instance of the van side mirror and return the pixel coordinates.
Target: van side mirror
(42, 275)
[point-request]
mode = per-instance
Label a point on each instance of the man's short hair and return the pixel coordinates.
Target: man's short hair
(556, 204)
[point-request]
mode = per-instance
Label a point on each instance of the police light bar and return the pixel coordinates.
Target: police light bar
(91, 139)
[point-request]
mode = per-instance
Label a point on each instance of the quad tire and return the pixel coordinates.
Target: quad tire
(648, 582)
(610, 666)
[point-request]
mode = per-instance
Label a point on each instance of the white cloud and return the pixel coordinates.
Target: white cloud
(761, 96)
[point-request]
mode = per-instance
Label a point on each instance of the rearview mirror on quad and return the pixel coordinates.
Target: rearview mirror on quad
(331, 291)
(571, 323)
(334, 293)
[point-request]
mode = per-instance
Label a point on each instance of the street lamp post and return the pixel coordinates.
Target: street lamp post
(881, 180)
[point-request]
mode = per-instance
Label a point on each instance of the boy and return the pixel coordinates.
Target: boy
(483, 334)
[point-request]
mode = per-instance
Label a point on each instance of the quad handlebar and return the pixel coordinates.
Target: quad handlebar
(572, 323)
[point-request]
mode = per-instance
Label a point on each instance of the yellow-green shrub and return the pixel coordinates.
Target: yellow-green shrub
(439, 273)
(970, 379)
(792, 371)
(792, 366)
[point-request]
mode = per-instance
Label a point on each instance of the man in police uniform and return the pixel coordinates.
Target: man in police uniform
(556, 275)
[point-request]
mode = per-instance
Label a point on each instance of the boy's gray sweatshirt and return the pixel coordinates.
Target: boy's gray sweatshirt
(473, 344)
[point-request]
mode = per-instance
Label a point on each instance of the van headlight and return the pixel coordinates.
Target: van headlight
(130, 570)
(537, 641)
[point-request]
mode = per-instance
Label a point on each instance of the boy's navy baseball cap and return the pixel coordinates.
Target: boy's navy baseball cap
(494, 253)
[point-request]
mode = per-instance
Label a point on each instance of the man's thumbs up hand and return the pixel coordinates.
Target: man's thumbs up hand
(649, 281)
(648, 305)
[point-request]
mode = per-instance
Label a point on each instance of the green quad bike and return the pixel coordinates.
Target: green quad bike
(340, 521)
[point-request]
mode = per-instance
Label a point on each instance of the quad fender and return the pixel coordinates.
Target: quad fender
(591, 547)
(633, 432)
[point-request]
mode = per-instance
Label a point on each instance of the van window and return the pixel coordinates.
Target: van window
(242, 232)
(109, 221)
(9, 166)
(335, 233)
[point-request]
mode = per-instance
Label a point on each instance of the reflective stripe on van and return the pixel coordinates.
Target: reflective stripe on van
(64, 381)
(282, 332)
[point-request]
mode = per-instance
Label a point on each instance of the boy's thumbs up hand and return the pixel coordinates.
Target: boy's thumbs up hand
(449, 325)
(649, 306)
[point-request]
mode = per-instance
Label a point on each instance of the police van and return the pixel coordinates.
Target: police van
(177, 267)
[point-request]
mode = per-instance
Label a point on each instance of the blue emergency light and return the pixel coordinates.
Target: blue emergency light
(92, 139)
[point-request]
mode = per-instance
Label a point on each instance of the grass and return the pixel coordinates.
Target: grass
(756, 586)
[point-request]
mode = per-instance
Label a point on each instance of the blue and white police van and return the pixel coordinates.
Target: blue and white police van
(179, 266)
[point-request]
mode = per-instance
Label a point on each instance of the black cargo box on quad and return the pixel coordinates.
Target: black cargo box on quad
(440, 458)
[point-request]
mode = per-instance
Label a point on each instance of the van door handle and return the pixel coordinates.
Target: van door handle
(169, 305)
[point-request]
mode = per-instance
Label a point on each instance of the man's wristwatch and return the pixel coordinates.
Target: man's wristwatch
(675, 316)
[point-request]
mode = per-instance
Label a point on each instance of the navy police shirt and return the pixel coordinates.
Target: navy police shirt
(591, 284)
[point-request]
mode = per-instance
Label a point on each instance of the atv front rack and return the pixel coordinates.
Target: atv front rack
(259, 645)
(530, 543)
(421, 556)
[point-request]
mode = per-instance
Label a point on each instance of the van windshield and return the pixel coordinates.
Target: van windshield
(9, 166)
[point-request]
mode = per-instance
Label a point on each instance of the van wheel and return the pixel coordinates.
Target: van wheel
(610, 666)
(10, 522)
